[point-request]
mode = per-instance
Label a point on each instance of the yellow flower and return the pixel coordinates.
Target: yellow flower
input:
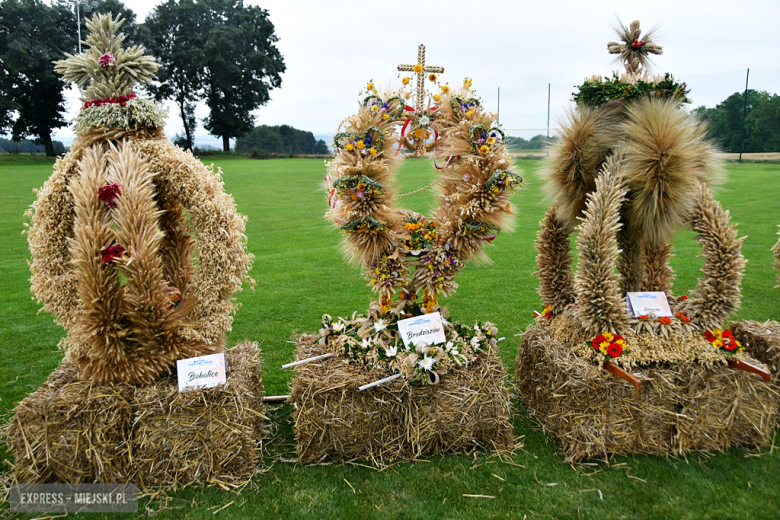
(405, 81)
(370, 86)
(436, 98)
(467, 83)
(484, 148)
(468, 114)
(491, 140)
(385, 116)
(418, 68)
(432, 77)
(372, 150)
(361, 144)
(374, 108)
(445, 89)
(349, 147)
(608, 336)
(418, 133)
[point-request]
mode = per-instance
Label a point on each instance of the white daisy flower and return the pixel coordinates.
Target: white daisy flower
(338, 327)
(475, 342)
(391, 351)
(380, 325)
(426, 363)
(425, 121)
(366, 343)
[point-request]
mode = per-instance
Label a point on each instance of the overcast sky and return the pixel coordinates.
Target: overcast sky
(332, 48)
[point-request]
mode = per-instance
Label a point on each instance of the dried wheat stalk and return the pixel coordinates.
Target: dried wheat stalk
(553, 262)
(601, 303)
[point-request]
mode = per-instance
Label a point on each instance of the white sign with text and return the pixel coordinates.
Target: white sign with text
(201, 372)
(426, 328)
(641, 303)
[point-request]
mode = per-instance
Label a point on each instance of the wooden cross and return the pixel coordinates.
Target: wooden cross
(421, 70)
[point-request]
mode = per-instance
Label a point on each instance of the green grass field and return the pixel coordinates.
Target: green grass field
(300, 275)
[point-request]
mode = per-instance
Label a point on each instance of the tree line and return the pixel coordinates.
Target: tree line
(280, 140)
(748, 119)
(217, 51)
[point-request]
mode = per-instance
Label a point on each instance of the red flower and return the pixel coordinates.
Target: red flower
(106, 60)
(643, 317)
(112, 253)
(546, 312)
(729, 343)
(598, 339)
(614, 350)
(109, 193)
(683, 297)
(665, 320)
(709, 336)
(682, 317)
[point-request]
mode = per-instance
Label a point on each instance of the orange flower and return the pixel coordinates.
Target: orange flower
(682, 317)
(432, 77)
(418, 68)
(445, 89)
(665, 320)
(418, 133)
(484, 149)
(405, 81)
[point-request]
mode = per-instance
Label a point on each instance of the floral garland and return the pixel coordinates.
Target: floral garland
(120, 100)
(110, 113)
(596, 91)
(378, 344)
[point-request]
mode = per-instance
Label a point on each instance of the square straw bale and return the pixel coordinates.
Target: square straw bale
(211, 435)
(469, 408)
(725, 407)
(679, 407)
(760, 340)
(72, 431)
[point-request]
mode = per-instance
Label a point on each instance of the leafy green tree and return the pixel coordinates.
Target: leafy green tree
(242, 65)
(175, 33)
(32, 36)
(761, 122)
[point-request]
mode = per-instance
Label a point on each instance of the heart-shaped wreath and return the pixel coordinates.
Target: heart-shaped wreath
(369, 142)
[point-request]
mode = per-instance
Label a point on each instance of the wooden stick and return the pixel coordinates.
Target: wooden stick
(275, 398)
(537, 314)
(377, 383)
(308, 360)
(747, 367)
(613, 369)
(499, 340)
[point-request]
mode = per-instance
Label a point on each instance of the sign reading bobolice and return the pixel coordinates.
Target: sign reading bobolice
(201, 372)
(426, 328)
(655, 303)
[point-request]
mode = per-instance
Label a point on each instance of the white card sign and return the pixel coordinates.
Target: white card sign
(201, 372)
(641, 303)
(426, 328)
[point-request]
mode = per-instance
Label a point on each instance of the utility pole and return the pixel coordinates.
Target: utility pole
(744, 113)
(498, 108)
(79, 4)
(547, 142)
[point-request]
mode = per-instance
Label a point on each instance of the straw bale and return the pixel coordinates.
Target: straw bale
(469, 408)
(207, 435)
(681, 406)
(72, 431)
(761, 340)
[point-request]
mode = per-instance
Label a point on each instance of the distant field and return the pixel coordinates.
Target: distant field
(300, 275)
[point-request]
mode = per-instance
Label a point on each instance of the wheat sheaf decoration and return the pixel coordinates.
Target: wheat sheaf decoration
(136, 248)
(410, 260)
(630, 169)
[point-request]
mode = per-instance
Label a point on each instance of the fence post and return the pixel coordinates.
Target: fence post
(744, 113)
